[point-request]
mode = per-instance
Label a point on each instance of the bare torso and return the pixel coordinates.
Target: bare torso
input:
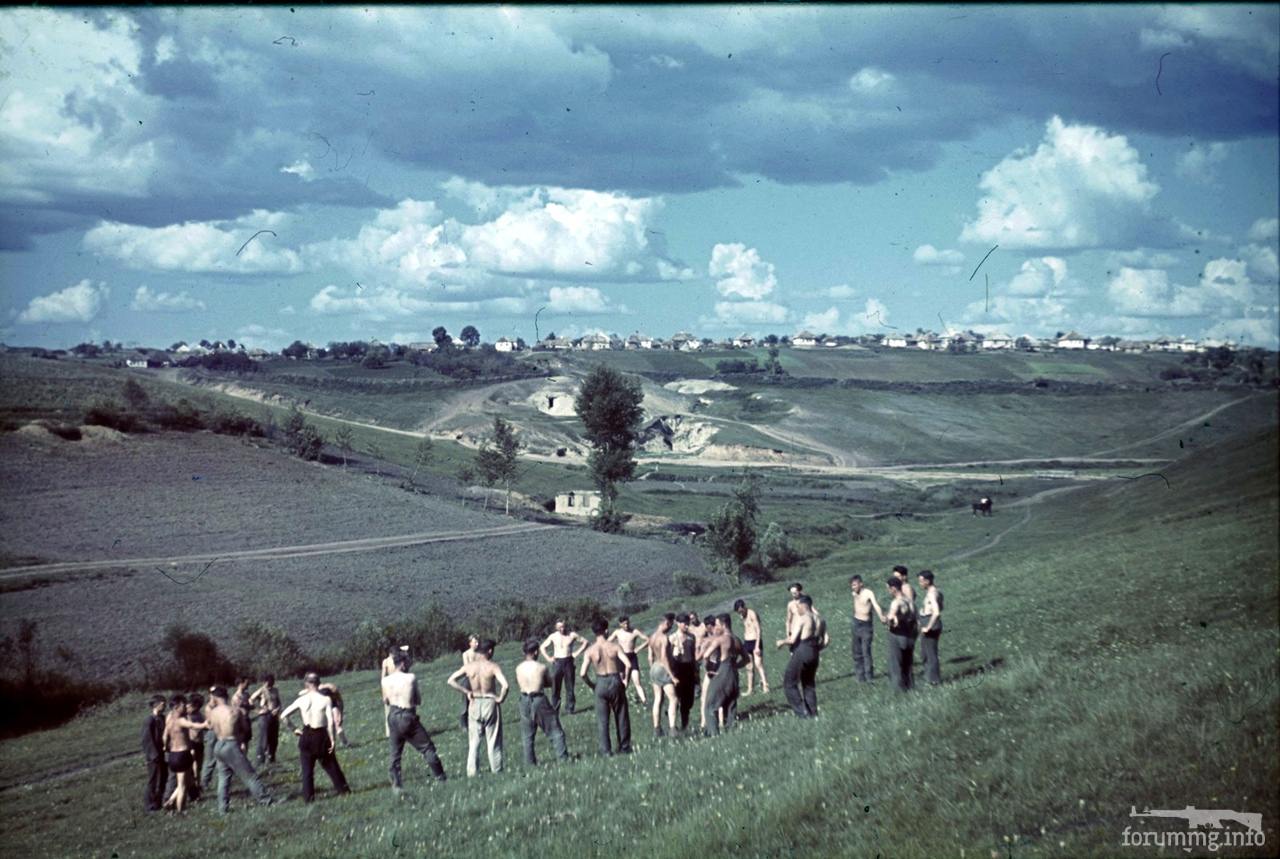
(605, 657)
(531, 676)
(751, 626)
(862, 602)
(660, 650)
(483, 676)
(627, 638)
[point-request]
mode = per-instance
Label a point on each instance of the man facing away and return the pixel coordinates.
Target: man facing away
(230, 758)
(725, 649)
(684, 667)
(631, 642)
(864, 604)
(662, 676)
(611, 668)
(484, 706)
(798, 682)
(316, 737)
(751, 646)
(401, 696)
(266, 703)
(153, 751)
(903, 628)
(561, 659)
(930, 627)
(535, 710)
(389, 667)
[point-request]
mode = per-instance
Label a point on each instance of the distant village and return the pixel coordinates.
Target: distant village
(133, 355)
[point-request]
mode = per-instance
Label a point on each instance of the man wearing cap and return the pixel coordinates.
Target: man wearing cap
(316, 737)
(222, 718)
(389, 667)
(401, 696)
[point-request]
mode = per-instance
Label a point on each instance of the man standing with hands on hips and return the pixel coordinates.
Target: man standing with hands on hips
(316, 736)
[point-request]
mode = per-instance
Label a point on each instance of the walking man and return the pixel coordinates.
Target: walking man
(751, 646)
(864, 604)
(484, 706)
(535, 710)
(222, 718)
(901, 619)
(798, 682)
(401, 696)
(611, 668)
(153, 751)
(389, 667)
(684, 668)
(726, 651)
(930, 627)
(316, 737)
(561, 659)
(661, 675)
(631, 642)
(266, 703)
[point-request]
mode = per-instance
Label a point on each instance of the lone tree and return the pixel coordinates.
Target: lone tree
(731, 534)
(423, 453)
(470, 336)
(441, 336)
(609, 405)
(342, 438)
(497, 460)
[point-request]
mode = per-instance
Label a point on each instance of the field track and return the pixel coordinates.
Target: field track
(368, 544)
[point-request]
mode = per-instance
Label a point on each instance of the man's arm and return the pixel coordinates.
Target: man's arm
(576, 653)
(542, 648)
(642, 641)
(876, 605)
(503, 686)
(453, 681)
(934, 618)
(289, 711)
(613, 636)
(415, 695)
(328, 721)
(383, 686)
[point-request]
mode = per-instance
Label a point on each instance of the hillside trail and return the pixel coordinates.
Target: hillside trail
(310, 550)
(1174, 430)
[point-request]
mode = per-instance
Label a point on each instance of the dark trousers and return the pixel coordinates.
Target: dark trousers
(686, 693)
(562, 673)
(405, 727)
(231, 760)
(722, 691)
(901, 655)
(863, 633)
(157, 775)
(268, 737)
(611, 701)
(210, 762)
(313, 748)
(932, 669)
(798, 681)
(536, 712)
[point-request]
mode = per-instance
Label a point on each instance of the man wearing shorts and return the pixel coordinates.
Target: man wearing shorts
(751, 646)
(661, 676)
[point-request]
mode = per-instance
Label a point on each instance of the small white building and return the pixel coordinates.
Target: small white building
(639, 341)
(1073, 340)
(594, 343)
(831, 343)
(930, 343)
(900, 341)
(744, 341)
(997, 340)
(575, 503)
(804, 340)
(505, 345)
(683, 341)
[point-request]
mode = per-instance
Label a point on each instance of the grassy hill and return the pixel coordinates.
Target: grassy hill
(1108, 646)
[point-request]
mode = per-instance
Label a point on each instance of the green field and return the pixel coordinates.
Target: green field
(1109, 647)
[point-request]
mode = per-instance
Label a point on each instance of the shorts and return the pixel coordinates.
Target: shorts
(180, 762)
(749, 646)
(659, 675)
(634, 659)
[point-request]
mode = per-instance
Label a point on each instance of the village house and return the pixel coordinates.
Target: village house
(639, 341)
(594, 343)
(744, 341)
(683, 341)
(997, 340)
(580, 503)
(901, 341)
(505, 344)
(1072, 340)
(804, 340)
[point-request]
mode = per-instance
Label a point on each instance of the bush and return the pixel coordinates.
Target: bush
(193, 660)
(234, 423)
(625, 599)
(113, 416)
(776, 551)
(261, 648)
(183, 417)
(609, 520)
(691, 584)
(737, 365)
(301, 438)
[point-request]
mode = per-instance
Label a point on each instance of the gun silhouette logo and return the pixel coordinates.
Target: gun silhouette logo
(1203, 818)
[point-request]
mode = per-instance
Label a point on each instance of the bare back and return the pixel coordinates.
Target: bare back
(482, 674)
(605, 657)
(531, 676)
(660, 649)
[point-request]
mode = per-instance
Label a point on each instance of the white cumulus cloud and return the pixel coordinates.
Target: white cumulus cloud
(1199, 163)
(1149, 293)
(1265, 230)
(750, 312)
(929, 255)
(1038, 276)
(80, 302)
(200, 246)
(740, 271)
(584, 299)
(146, 301)
(869, 79)
(302, 169)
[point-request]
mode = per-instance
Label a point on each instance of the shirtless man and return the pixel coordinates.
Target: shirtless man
(864, 604)
(661, 675)
(796, 589)
(401, 695)
(195, 742)
(389, 667)
(178, 743)
(535, 710)
(484, 706)
(266, 703)
(561, 659)
(468, 656)
(631, 642)
(335, 701)
(930, 627)
(903, 628)
(900, 573)
(682, 660)
(800, 676)
(317, 738)
(702, 633)
(727, 651)
(611, 668)
(230, 757)
(751, 646)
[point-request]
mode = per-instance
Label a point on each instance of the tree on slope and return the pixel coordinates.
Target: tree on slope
(608, 403)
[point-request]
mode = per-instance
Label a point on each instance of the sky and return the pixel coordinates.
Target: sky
(271, 174)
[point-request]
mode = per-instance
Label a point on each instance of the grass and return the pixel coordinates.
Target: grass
(1133, 633)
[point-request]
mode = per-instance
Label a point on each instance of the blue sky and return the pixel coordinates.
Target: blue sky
(716, 169)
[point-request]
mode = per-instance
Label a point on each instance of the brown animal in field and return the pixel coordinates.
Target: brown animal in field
(983, 506)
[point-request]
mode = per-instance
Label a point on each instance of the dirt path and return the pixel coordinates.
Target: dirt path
(368, 544)
(1027, 502)
(1174, 430)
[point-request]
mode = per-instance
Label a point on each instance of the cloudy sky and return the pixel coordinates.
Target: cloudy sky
(333, 174)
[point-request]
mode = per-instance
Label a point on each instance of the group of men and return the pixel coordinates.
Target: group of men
(691, 660)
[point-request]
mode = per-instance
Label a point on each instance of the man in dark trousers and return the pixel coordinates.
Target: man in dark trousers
(223, 717)
(684, 668)
(561, 660)
(316, 737)
(930, 627)
(725, 650)
(799, 680)
(153, 751)
(612, 668)
(535, 710)
(401, 696)
(864, 606)
(266, 712)
(903, 628)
